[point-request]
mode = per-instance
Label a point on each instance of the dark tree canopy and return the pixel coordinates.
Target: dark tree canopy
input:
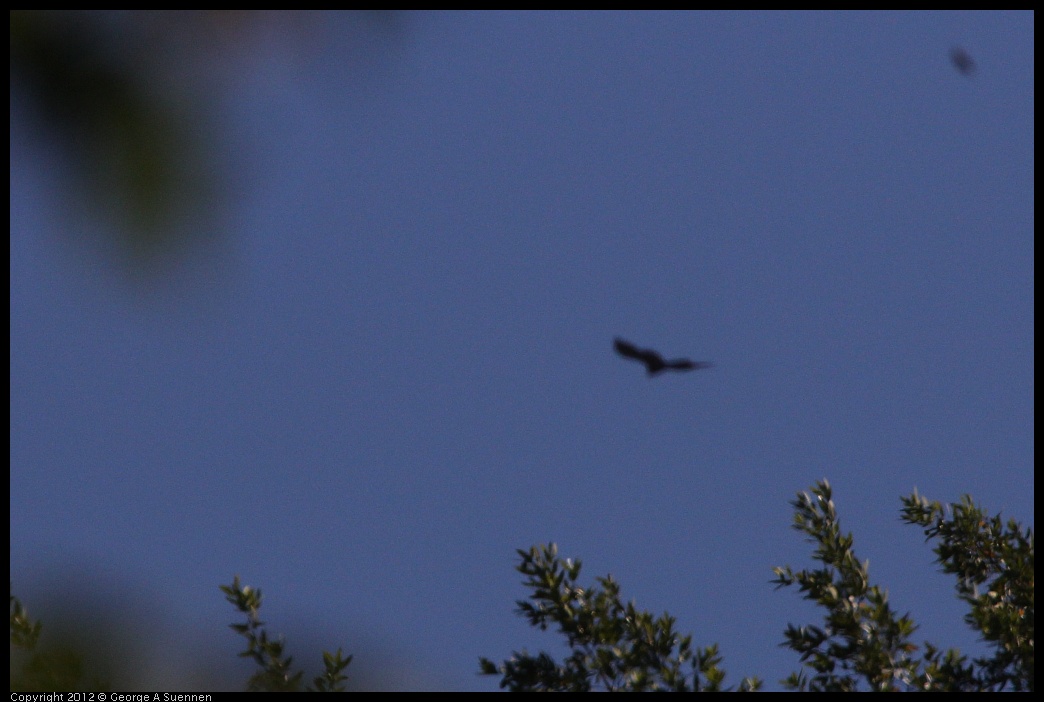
(654, 362)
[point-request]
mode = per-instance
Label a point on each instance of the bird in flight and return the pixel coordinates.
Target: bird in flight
(653, 361)
(962, 61)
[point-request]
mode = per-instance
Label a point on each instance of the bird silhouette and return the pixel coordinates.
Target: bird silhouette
(654, 362)
(962, 61)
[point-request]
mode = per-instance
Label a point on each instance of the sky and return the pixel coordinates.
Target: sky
(392, 364)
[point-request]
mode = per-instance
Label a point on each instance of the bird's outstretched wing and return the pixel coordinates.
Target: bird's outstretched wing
(686, 364)
(653, 361)
(629, 350)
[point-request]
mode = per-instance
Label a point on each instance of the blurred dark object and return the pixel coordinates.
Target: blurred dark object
(654, 362)
(100, 86)
(127, 110)
(962, 61)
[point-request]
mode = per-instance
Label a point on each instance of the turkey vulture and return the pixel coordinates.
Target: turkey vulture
(653, 361)
(962, 61)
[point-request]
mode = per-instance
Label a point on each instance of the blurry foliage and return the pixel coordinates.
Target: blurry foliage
(862, 643)
(61, 664)
(103, 86)
(90, 657)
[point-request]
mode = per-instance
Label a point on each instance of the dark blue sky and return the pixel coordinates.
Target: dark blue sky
(395, 367)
